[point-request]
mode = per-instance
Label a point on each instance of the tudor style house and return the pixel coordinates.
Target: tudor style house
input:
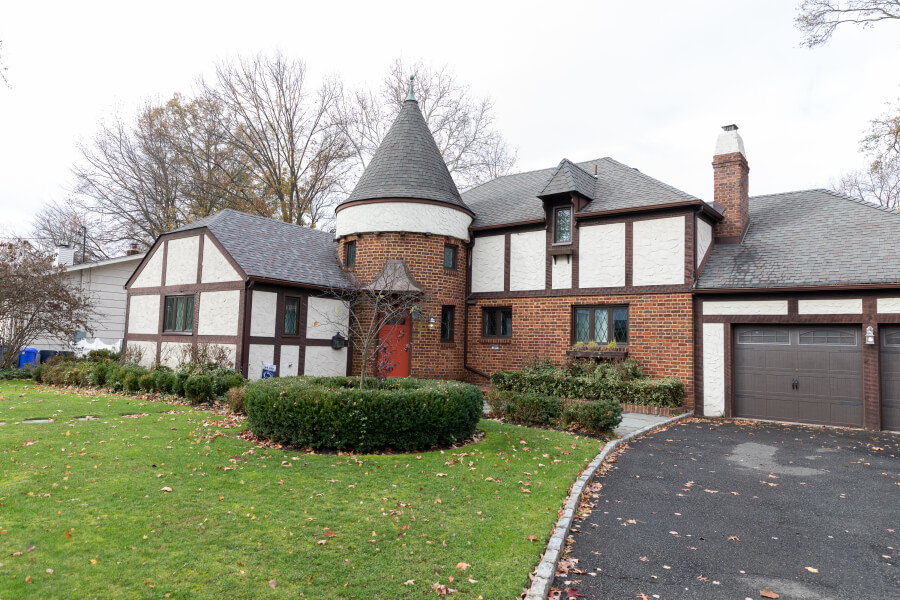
(783, 307)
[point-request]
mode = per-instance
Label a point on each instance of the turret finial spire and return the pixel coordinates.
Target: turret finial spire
(411, 95)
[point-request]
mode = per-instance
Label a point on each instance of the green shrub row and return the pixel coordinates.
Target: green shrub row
(668, 391)
(333, 413)
(197, 383)
(625, 370)
(6, 374)
(598, 416)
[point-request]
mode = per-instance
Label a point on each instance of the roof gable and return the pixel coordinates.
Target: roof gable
(269, 249)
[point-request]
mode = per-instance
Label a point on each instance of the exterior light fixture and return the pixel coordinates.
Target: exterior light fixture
(870, 335)
(338, 341)
(431, 322)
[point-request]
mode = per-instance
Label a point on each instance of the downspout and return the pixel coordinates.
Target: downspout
(245, 337)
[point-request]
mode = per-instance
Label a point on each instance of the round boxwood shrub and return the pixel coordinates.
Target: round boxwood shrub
(599, 416)
(199, 388)
(333, 413)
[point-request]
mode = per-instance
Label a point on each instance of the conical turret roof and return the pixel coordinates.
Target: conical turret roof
(408, 164)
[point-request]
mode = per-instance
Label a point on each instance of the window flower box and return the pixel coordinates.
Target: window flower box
(620, 353)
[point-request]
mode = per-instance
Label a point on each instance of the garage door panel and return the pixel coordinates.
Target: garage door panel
(824, 362)
(890, 378)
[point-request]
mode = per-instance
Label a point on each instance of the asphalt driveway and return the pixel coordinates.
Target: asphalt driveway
(718, 509)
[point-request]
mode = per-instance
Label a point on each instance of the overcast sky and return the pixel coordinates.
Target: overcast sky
(649, 86)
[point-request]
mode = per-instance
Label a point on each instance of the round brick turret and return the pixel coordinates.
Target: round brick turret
(406, 207)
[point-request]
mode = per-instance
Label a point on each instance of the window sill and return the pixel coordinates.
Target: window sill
(177, 333)
(495, 340)
(561, 250)
(622, 353)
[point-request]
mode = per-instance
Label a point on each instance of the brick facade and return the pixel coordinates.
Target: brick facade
(731, 174)
(424, 256)
(659, 328)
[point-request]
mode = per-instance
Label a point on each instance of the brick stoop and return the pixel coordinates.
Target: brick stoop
(660, 411)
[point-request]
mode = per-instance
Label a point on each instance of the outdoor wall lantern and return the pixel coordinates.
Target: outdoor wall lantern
(870, 335)
(431, 322)
(338, 341)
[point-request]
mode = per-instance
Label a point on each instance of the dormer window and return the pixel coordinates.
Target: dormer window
(562, 225)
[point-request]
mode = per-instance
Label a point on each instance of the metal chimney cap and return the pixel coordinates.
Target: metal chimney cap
(731, 127)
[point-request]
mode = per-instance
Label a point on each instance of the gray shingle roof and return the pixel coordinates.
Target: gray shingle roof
(809, 238)
(407, 164)
(568, 178)
(275, 249)
(514, 198)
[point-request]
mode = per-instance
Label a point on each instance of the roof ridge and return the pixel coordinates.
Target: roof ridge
(839, 195)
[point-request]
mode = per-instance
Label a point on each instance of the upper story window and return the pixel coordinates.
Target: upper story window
(600, 324)
(291, 316)
(350, 254)
(562, 225)
(497, 322)
(450, 256)
(179, 315)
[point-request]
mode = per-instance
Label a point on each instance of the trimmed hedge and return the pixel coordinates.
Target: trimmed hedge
(333, 413)
(599, 416)
(199, 384)
(668, 391)
(6, 374)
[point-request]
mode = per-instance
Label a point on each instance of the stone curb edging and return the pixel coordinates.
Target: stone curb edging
(546, 569)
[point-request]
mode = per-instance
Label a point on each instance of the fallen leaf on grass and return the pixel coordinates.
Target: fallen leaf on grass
(462, 566)
(166, 489)
(409, 582)
(67, 534)
(273, 584)
(769, 594)
(322, 542)
(532, 538)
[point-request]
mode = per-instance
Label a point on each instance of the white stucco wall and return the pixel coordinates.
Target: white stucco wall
(219, 313)
(262, 314)
(888, 305)
(852, 306)
(325, 361)
(704, 239)
(746, 307)
(143, 314)
(601, 256)
(181, 260)
(326, 317)
(713, 369)
(289, 361)
(151, 276)
(487, 263)
(147, 351)
(658, 251)
(528, 261)
(403, 216)
(216, 267)
(171, 353)
(561, 273)
(256, 356)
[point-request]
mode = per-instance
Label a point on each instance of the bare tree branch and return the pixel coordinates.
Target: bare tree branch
(818, 19)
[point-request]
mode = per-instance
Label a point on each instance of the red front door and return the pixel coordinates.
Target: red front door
(394, 340)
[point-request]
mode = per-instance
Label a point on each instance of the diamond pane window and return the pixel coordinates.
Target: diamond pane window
(620, 325)
(601, 325)
(497, 322)
(447, 313)
(582, 325)
(562, 227)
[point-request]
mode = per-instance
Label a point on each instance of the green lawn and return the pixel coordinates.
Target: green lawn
(82, 502)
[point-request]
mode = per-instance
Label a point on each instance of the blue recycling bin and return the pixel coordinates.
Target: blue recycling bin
(28, 358)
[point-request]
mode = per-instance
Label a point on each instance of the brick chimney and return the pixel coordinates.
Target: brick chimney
(731, 174)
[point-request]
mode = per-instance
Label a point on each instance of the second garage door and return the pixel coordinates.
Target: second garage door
(890, 378)
(802, 374)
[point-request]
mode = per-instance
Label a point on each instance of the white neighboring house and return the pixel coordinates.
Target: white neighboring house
(105, 282)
